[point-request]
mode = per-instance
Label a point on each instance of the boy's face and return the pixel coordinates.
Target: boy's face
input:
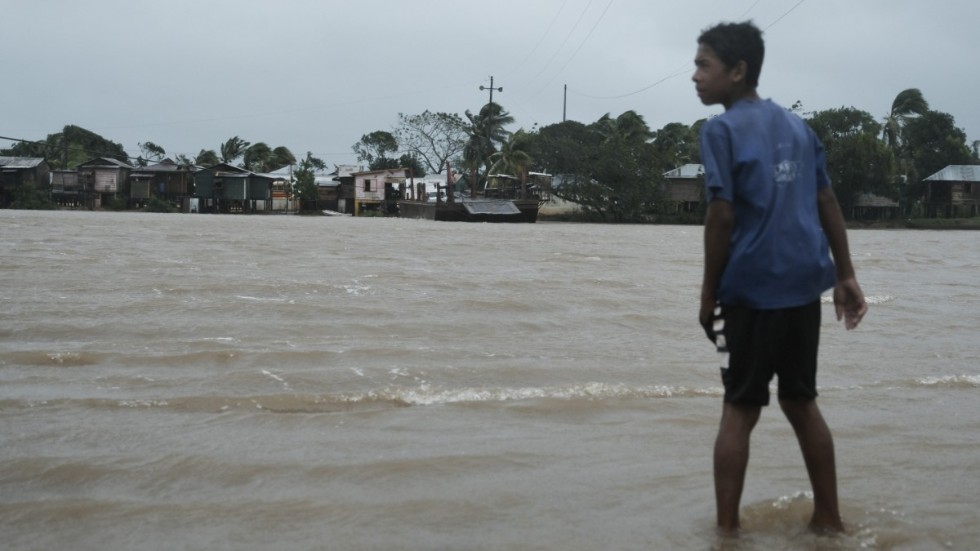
(714, 82)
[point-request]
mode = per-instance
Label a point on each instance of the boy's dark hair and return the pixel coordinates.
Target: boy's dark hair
(734, 42)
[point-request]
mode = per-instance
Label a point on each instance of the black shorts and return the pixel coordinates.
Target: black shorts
(763, 343)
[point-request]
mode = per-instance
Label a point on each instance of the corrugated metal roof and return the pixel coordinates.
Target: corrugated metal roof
(685, 171)
(105, 161)
(957, 173)
(20, 162)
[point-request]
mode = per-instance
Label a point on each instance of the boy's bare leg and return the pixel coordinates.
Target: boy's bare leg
(731, 460)
(817, 446)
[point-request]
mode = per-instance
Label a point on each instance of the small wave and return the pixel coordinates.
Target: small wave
(391, 397)
(66, 359)
(870, 299)
(259, 299)
(950, 381)
(424, 396)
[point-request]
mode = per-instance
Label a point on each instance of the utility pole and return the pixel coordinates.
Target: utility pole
(499, 89)
(564, 105)
(490, 118)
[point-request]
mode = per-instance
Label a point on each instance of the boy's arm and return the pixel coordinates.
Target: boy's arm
(718, 224)
(848, 297)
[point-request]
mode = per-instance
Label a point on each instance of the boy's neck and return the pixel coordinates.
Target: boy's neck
(744, 94)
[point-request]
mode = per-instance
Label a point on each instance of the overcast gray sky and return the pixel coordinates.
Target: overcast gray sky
(315, 75)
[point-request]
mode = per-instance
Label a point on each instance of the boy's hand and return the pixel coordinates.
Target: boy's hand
(849, 302)
(707, 317)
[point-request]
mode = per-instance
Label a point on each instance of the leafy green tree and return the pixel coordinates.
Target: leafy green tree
(628, 126)
(375, 148)
(259, 157)
(857, 161)
(29, 196)
(69, 148)
(567, 148)
(207, 157)
(432, 138)
(628, 169)
(305, 185)
(149, 151)
(841, 123)
(676, 144)
(607, 167)
(411, 162)
(155, 204)
(931, 143)
(183, 160)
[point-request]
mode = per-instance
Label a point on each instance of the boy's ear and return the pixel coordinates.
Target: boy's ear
(739, 71)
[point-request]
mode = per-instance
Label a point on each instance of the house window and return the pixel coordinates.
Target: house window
(368, 184)
(968, 188)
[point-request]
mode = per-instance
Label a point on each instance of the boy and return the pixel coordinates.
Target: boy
(771, 217)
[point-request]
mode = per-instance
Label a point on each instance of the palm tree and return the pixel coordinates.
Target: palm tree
(629, 126)
(281, 156)
(232, 149)
(256, 157)
(907, 104)
(485, 130)
(513, 158)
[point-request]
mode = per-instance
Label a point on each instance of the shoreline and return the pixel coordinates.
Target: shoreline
(896, 224)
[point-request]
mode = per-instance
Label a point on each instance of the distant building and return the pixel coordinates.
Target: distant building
(379, 190)
(953, 192)
(102, 180)
(225, 188)
(344, 192)
(869, 206)
(15, 171)
(684, 188)
(66, 190)
(165, 180)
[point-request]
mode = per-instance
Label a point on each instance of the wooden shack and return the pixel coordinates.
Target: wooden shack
(953, 192)
(16, 171)
(684, 188)
(102, 180)
(165, 180)
(225, 188)
(378, 191)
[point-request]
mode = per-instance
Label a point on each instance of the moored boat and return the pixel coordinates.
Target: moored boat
(505, 198)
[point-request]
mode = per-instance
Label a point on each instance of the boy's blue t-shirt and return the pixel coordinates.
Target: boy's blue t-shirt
(769, 164)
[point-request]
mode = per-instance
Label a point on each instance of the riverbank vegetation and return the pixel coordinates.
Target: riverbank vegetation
(612, 168)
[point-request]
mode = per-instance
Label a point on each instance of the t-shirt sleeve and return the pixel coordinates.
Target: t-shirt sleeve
(716, 156)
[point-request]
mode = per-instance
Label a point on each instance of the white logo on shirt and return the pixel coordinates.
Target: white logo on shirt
(785, 172)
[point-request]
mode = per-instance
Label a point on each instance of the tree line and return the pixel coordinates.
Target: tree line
(75, 145)
(614, 167)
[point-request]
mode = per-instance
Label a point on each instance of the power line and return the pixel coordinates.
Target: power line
(780, 18)
(567, 38)
(683, 69)
(577, 50)
(540, 40)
